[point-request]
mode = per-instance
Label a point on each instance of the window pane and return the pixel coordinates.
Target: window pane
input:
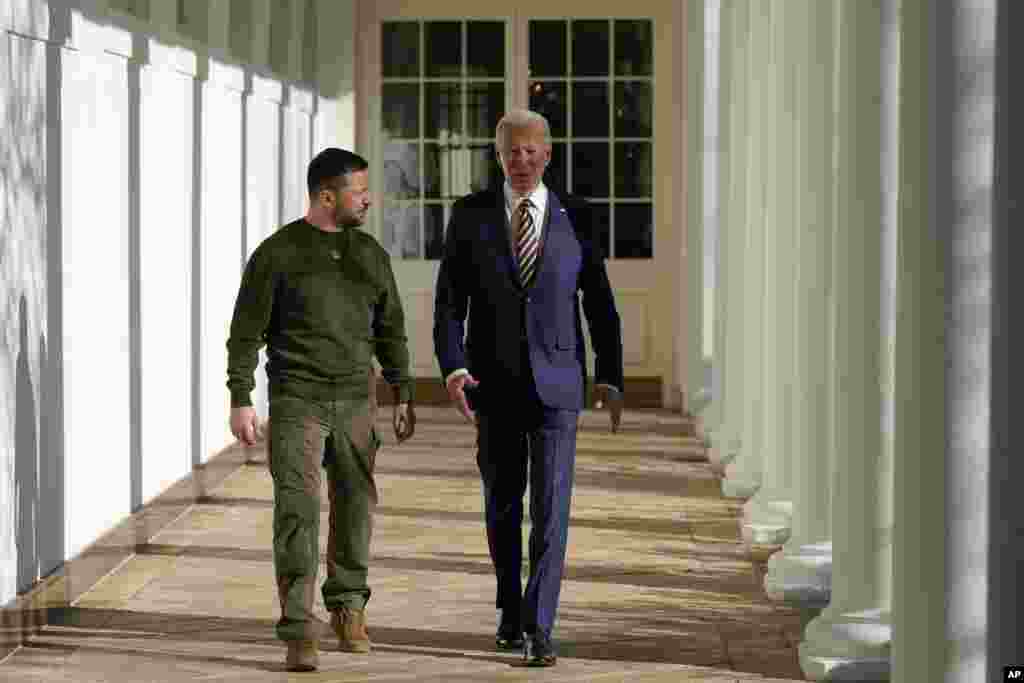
(590, 169)
(601, 214)
(400, 49)
(633, 48)
(401, 170)
(547, 48)
(446, 171)
(485, 105)
(633, 230)
(633, 169)
(485, 172)
(555, 174)
(443, 110)
(590, 110)
(548, 98)
(444, 49)
(486, 48)
(400, 229)
(400, 110)
(433, 230)
(590, 53)
(633, 110)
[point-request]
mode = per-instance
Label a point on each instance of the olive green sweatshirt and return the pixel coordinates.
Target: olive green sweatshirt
(323, 303)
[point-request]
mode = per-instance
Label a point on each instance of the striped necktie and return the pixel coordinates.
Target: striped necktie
(526, 242)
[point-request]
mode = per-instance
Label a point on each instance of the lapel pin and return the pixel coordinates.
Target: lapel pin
(335, 254)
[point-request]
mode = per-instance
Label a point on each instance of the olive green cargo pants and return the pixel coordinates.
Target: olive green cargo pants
(307, 436)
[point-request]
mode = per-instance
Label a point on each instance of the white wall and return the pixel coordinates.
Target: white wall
(94, 167)
(98, 165)
(221, 244)
(166, 264)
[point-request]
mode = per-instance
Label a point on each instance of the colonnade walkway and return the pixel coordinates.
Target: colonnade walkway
(659, 585)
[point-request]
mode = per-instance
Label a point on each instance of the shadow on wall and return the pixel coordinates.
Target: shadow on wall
(33, 513)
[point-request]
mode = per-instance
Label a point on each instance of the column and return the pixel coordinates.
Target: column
(801, 572)
(165, 183)
(336, 74)
(766, 516)
(710, 412)
(743, 475)
(724, 440)
(959, 520)
(850, 639)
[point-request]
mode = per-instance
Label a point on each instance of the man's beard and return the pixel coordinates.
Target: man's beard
(347, 220)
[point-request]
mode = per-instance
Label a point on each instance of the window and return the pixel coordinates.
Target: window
(443, 89)
(593, 80)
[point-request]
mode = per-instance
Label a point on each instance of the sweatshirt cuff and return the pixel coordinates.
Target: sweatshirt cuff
(404, 391)
(240, 399)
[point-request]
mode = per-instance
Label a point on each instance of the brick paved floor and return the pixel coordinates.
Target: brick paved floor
(659, 587)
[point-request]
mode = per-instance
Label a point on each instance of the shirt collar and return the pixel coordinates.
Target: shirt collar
(538, 196)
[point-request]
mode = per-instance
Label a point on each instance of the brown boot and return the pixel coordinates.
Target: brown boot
(350, 625)
(303, 655)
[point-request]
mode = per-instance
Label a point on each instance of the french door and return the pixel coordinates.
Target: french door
(433, 80)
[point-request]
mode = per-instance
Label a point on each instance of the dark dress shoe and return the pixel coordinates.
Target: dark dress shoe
(509, 639)
(539, 651)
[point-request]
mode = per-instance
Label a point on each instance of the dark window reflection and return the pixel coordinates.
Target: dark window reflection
(633, 110)
(590, 53)
(633, 169)
(633, 48)
(484, 169)
(485, 103)
(590, 170)
(486, 44)
(443, 110)
(590, 110)
(400, 229)
(400, 110)
(400, 49)
(548, 48)
(443, 49)
(634, 230)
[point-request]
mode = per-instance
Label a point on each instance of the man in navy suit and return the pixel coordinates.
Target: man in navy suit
(514, 259)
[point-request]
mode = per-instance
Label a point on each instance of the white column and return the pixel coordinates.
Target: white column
(165, 184)
(801, 573)
(221, 238)
(711, 411)
(850, 640)
(766, 516)
(724, 441)
(691, 393)
(743, 475)
(959, 518)
(95, 182)
(296, 146)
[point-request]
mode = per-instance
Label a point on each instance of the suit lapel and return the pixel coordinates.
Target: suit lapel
(501, 237)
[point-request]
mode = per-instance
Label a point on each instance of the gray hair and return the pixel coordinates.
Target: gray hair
(521, 118)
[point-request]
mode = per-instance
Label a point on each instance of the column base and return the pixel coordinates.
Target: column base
(738, 483)
(801, 576)
(721, 449)
(851, 646)
(767, 522)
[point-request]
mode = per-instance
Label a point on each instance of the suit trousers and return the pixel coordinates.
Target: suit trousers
(523, 440)
(307, 436)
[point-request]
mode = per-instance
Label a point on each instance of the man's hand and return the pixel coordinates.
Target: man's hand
(243, 424)
(612, 397)
(404, 420)
(457, 393)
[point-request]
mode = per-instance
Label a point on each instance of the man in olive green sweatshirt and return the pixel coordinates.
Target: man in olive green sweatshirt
(321, 295)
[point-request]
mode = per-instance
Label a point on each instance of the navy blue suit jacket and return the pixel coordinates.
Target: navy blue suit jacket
(479, 298)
